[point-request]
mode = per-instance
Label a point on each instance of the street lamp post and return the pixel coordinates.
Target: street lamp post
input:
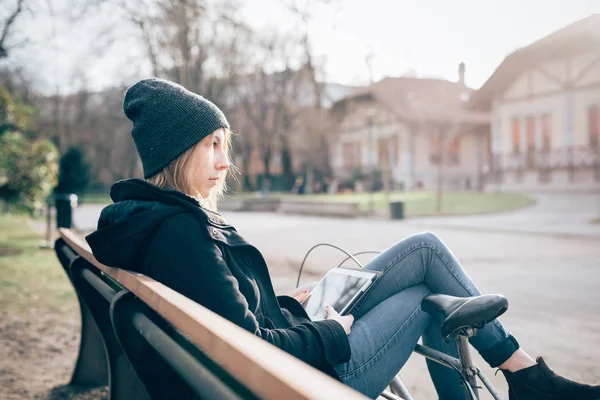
(371, 175)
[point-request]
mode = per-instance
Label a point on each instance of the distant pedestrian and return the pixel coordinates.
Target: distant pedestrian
(265, 187)
(298, 187)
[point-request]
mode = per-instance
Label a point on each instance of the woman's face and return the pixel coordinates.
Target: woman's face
(210, 163)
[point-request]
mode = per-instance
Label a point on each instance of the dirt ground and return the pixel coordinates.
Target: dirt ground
(38, 351)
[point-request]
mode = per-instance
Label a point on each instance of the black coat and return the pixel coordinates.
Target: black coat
(169, 237)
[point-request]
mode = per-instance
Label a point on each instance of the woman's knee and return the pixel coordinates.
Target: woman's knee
(427, 238)
(424, 243)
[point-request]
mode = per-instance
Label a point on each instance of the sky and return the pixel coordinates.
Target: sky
(427, 37)
(424, 38)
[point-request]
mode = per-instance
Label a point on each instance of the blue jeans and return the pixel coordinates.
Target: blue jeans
(389, 320)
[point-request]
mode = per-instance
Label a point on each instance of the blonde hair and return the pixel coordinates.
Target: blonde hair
(178, 175)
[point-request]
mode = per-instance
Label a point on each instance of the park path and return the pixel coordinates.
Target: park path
(560, 214)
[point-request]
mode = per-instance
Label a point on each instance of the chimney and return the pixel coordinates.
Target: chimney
(461, 73)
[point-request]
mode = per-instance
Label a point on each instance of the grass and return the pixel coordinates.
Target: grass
(415, 203)
(30, 277)
(596, 221)
(95, 198)
(423, 203)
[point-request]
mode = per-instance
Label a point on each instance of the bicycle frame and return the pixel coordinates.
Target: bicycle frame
(462, 365)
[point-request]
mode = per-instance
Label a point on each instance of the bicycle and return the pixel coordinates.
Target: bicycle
(463, 316)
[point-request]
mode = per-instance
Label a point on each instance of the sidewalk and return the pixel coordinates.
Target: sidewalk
(85, 218)
(568, 215)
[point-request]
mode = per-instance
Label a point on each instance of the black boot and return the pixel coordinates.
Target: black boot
(538, 382)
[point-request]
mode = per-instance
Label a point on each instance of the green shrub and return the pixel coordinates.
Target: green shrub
(28, 171)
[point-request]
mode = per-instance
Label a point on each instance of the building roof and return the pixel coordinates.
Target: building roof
(420, 99)
(575, 38)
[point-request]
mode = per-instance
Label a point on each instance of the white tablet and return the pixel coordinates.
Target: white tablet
(340, 288)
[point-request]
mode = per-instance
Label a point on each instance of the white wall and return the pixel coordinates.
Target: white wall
(533, 93)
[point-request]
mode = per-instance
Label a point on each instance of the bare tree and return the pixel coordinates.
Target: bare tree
(268, 98)
(206, 47)
(191, 42)
(182, 44)
(304, 11)
(7, 27)
(316, 127)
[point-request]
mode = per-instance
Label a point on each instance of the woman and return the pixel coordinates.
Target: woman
(165, 227)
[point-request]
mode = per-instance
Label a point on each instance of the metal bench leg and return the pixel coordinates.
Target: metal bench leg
(96, 296)
(91, 368)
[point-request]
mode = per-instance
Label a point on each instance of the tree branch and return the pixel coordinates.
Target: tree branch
(7, 25)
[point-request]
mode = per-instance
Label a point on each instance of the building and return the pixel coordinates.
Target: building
(415, 132)
(544, 101)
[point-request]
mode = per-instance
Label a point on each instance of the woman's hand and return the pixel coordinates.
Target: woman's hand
(301, 296)
(346, 321)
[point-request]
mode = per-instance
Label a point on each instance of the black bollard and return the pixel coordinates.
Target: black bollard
(64, 203)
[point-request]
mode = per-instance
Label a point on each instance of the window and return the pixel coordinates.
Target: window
(451, 152)
(594, 125)
(546, 132)
(516, 136)
(530, 134)
(454, 151)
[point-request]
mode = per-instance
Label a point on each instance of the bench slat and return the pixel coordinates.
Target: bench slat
(266, 370)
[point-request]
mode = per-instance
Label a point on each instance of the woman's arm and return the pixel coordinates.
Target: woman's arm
(182, 256)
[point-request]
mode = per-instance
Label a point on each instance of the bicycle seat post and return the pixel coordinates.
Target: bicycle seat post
(467, 367)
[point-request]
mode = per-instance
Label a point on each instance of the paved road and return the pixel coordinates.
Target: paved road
(554, 214)
(550, 272)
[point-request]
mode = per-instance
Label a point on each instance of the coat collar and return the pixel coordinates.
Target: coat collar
(138, 189)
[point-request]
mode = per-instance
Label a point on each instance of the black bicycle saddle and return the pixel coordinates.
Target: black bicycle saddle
(464, 312)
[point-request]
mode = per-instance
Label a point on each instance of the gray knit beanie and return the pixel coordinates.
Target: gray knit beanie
(168, 120)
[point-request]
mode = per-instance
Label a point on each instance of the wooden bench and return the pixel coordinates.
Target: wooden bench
(148, 341)
(292, 206)
(327, 209)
